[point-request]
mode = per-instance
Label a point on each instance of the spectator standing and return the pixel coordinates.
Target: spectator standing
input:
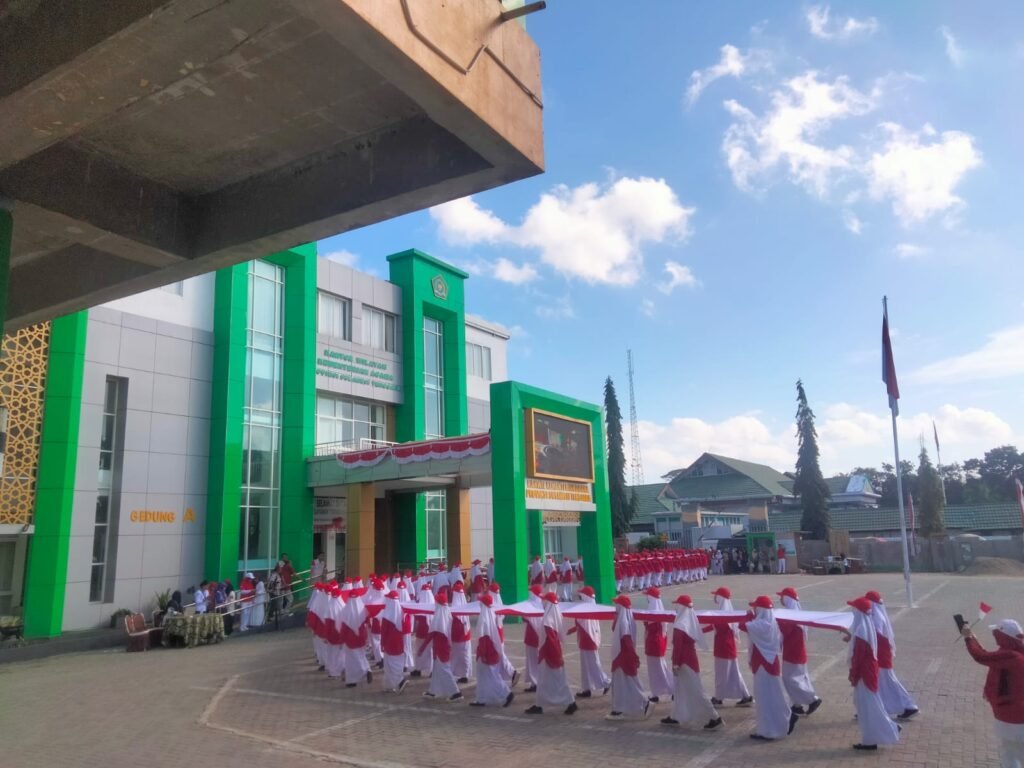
(1004, 686)
(259, 604)
(284, 567)
(274, 591)
(200, 597)
(781, 555)
(246, 592)
(317, 568)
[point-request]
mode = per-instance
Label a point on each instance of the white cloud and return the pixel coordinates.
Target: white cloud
(824, 27)
(463, 222)
(919, 177)
(786, 135)
(910, 251)
(953, 50)
(555, 309)
(678, 275)
(347, 258)
(517, 332)
(592, 232)
(847, 436)
(851, 222)
(1002, 356)
(733, 63)
(510, 272)
(647, 307)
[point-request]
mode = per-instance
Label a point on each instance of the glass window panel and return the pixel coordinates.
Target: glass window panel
(362, 411)
(389, 333)
(325, 406)
(430, 341)
(99, 544)
(362, 430)
(487, 363)
(263, 307)
(346, 409)
(107, 433)
(347, 431)
(102, 509)
(432, 411)
(96, 584)
(325, 430)
(110, 398)
(376, 433)
(106, 462)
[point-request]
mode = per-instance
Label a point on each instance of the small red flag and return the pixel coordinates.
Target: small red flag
(983, 610)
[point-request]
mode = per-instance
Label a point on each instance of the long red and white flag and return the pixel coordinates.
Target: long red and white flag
(984, 609)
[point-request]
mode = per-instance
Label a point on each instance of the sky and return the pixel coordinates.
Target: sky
(730, 190)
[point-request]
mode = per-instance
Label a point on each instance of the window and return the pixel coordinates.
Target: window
(437, 524)
(433, 377)
(379, 329)
(478, 361)
(108, 491)
(348, 421)
(553, 544)
(260, 501)
(333, 316)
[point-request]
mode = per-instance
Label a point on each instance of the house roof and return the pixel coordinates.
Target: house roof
(969, 517)
(747, 480)
(649, 502)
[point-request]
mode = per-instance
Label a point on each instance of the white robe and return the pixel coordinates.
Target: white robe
(259, 606)
(628, 697)
(690, 704)
(552, 682)
(491, 686)
(798, 684)
(875, 725)
(771, 708)
(729, 683)
(895, 697)
(442, 681)
(592, 674)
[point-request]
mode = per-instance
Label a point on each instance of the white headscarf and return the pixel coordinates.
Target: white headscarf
(591, 626)
(864, 628)
(686, 621)
(455, 574)
(549, 566)
(333, 609)
(442, 620)
(793, 605)
(315, 600)
(440, 580)
(655, 604)
(487, 625)
(458, 598)
(553, 620)
(725, 604)
(764, 634)
(426, 597)
(393, 611)
(624, 625)
(880, 619)
(565, 567)
(354, 614)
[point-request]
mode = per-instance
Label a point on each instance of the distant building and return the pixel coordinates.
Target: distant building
(981, 519)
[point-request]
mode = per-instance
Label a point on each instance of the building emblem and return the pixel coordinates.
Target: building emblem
(440, 288)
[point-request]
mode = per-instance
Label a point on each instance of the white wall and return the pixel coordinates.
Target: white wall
(495, 337)
(192, 309)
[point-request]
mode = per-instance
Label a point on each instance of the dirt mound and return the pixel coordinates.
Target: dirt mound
(994, 566)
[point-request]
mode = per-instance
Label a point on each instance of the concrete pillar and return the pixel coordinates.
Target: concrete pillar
(6, 233)
(360, 538)
(460, 536)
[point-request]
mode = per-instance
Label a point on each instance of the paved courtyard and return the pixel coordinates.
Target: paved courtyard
(259, 700)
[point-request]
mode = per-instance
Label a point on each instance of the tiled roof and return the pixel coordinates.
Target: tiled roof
(648, 502)
(979, 517)
(746, 481)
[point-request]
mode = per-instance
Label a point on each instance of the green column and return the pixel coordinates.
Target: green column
(227, 413)
(299, 405)
(58, 459)
(595, 533)
(535, 526)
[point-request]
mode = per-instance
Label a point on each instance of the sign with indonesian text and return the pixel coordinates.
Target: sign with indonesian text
(556, 517)
(559, 495)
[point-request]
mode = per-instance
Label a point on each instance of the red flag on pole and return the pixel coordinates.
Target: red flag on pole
(889, 366)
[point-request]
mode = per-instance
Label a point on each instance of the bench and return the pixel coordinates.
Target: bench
(139, 635)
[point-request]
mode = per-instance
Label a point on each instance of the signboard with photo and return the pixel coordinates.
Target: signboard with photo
(559, 448)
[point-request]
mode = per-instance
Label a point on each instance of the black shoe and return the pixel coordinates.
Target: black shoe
(369, 677)
(759, 737)
(531, 689)
(712, 724)
(535, 710)
(508, 699)
(320, 668)
(350, 685)
(813, 706)
(515, 678)
(584, 695)
(571, 709)
(871, 747)
(415, 673)
(669, 721)
(462, 680)
(429, 695)
(793, 718)
(379, 664)
(647, 709)
(476, 704)
(402, 683)
(716, 702)
(797, 710)
(605, 693)
(746, 701)
(455, 697)
(653, 699)
(907, 714)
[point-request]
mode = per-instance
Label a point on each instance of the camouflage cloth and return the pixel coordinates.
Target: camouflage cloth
(194, 630)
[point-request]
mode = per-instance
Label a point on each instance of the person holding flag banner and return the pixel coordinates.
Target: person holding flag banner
(892, 387)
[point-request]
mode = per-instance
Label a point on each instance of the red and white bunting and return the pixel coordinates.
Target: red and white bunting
(432, 450)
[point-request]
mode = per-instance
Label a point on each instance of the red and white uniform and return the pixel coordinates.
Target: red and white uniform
(655, 646)
(333, 662)
(550, 573)
(729, 683)
(462, 655)
(773, 713)
(439, 644)
(895, 697)
(588, 638)
(1004, 688)
(565, 580)
(491, 687)
(477, 581)
(876, 727)
(690, 704)
(536, 572)
(353, 633)
(794, 655)
(552, 683)
(424, 659)
(395, 626)
(628, 696)
(531, 636)
(494, 590)
(375, 596)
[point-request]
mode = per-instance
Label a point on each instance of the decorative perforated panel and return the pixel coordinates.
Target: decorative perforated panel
(22, 388)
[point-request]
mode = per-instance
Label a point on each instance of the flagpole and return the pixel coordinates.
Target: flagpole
(899, 483)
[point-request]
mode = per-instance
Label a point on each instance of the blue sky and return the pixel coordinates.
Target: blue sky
(730, 190)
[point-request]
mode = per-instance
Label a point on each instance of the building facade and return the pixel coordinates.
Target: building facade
(179, 424)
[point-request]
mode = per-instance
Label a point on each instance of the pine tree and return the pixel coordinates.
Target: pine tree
(808, 484)
(929, 490)
(622, 506)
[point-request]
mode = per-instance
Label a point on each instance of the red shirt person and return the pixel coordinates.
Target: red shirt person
(1004, 685)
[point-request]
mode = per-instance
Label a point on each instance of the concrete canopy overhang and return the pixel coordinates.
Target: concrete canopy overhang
(148, 141)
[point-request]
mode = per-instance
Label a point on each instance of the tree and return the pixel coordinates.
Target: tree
(622, 505)
(808, 484)
(929, 490)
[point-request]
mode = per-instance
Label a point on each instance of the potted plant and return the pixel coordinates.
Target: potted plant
(163, 599)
